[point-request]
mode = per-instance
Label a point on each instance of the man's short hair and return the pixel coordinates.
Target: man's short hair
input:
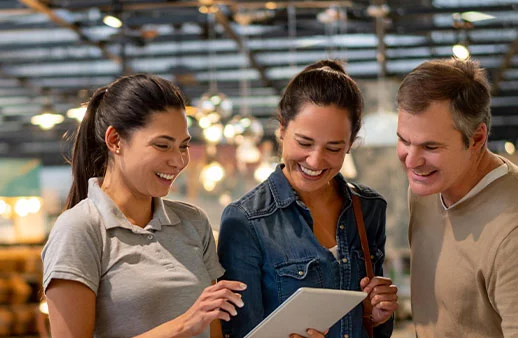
(463, 83)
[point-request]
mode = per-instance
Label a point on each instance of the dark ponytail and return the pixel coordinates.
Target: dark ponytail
(126, 105)
(88, 155)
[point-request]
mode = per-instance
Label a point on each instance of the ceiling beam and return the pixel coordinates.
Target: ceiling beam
(251, 55)
(39, 7)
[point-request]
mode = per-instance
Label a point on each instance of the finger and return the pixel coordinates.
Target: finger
(384, 298)
(229, 284)
(377, 281)
(387, 306)
(218, 314)
(312, 333)
(383, 290)
(225, 294)
(364, 282)
(226, 306)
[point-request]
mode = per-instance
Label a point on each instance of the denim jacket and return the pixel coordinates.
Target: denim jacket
(266, 241)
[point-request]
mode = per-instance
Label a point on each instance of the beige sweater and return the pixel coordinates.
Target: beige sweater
(464, 263)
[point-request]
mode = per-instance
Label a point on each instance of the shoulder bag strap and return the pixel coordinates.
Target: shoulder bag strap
(367, 307)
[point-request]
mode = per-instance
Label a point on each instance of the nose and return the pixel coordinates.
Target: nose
(316, 159)
(413, 157)
(178, 159)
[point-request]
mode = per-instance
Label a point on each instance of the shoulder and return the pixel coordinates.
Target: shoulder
(83, 218)
(365, 192)
(257, 202)
(184, 210)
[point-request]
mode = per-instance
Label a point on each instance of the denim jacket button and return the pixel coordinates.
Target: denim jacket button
(342, 226)
(344, 260)
(301, 272)
(346, 336)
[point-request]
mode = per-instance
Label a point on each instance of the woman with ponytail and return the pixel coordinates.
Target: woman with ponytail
(121, 261)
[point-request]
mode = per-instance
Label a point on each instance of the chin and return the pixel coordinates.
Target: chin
(421, 190)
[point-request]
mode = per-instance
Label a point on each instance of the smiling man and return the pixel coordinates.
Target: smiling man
(463, 203)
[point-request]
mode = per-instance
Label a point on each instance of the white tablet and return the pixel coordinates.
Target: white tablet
(307, 308)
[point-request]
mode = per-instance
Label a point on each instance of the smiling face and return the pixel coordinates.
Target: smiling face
(433, 153)
(153, 156)
(314, 145)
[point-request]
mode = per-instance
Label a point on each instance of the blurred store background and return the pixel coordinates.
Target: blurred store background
(232, 59)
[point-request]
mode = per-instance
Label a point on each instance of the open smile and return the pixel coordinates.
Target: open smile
(168, 177)
(310, 172)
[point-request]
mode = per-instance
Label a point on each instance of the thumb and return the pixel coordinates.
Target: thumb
(364, 282)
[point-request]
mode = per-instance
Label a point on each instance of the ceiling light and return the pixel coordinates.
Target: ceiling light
(473, 16)
(77, 113)
(460, 51)
(47, 121)
(270, 5)
(509, 148)
(112, 21)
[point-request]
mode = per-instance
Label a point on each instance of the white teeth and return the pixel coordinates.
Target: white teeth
(164, 176)
(310, 172)
(423, 174)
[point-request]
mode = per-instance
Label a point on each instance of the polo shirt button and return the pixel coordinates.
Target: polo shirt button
(344, 260)
(149, 236)
(342, 226)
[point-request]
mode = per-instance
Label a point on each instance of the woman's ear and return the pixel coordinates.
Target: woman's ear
(282, 132)
(112, 140)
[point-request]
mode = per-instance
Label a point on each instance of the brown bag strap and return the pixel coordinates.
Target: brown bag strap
(360, 225)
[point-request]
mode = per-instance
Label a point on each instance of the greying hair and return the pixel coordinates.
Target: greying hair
(463, 83)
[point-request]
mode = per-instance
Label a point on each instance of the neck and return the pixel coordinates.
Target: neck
(325, 195)
(137, 208)
(483, 164)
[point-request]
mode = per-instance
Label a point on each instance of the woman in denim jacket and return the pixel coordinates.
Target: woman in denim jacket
(297, 228)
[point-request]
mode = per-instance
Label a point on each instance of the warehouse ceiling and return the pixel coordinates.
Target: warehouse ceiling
(54, 53)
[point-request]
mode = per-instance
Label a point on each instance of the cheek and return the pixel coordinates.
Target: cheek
(401, 152)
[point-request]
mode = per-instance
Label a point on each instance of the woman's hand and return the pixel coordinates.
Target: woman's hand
(311, 334)
(216, 302)
(383, 297)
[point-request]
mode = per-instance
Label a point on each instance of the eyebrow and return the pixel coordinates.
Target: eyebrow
(310, 139)
(172, 139)
(426, 143)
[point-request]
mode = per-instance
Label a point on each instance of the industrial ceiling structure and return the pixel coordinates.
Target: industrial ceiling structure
(54, 53)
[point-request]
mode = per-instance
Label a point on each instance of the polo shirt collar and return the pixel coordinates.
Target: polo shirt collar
(113, 217)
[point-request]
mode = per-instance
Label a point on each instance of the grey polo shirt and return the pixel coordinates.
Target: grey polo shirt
(142, 277)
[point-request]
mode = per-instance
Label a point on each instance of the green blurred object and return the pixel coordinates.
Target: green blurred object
(20, 177)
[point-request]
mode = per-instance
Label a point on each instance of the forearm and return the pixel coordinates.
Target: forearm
(176, 328)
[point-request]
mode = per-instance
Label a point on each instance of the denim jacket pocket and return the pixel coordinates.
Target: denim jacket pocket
(376, 258)
(294, 274)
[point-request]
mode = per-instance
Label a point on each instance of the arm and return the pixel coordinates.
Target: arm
(240, 254)
(71, 309)
(502, 284)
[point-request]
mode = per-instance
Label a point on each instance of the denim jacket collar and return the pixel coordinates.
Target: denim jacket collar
(284, 194)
